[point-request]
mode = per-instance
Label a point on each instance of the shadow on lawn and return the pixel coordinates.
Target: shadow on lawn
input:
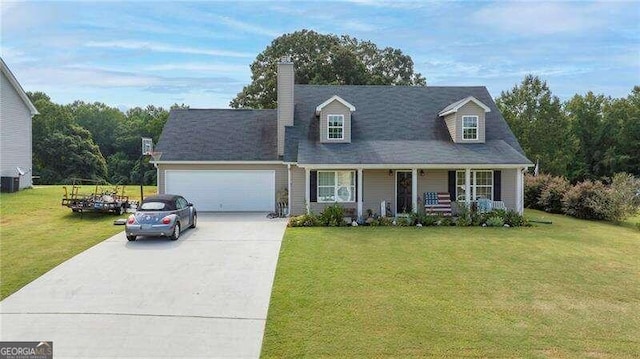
(92, 216)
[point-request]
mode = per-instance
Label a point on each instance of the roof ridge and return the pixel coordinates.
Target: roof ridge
(398, 86)
(223, 109)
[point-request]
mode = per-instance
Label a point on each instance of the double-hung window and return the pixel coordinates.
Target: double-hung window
(469, 127)
(335, 127)
(481, 185)
(336, 186)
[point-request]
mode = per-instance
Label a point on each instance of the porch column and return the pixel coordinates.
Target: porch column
(414, 190)
(360, 199)
(288, 190)
(519, 191)
(307, 190)
(467, 186)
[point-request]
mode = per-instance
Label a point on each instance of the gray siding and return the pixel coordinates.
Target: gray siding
(280, 180)
(298, 192)
(470, 108)
(509, 186)
(285, 101)
(335, 108)
(433, 181)
(377, 186)
(15, 133)
(450, 120)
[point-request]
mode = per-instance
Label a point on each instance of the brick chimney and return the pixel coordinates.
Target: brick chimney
(285, 99)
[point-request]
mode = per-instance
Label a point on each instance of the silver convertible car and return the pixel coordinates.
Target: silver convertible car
(163, 215)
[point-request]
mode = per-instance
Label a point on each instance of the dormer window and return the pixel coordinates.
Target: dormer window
(335, 127)
(466, 120)
(469, 127)
(335, 117)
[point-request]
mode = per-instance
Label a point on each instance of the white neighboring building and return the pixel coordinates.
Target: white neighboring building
(16, 112)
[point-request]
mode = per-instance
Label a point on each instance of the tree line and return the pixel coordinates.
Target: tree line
(586, 137)
(590, 136)
(93, 141)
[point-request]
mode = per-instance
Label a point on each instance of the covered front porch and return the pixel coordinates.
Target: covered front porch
(402, 188)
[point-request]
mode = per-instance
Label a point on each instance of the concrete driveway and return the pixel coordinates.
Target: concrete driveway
(205, 295)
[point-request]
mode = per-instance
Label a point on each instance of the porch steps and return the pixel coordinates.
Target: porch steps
(441, 206)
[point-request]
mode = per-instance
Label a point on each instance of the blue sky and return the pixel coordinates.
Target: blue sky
(129, 54)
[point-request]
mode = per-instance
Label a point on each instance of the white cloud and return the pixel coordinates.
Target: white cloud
(198, 67)
(159, 47)
(105, 78)
(540, 18)
(399, 4)
(85, 76)
(247, 27)
(452, 72)
(12, 55)
(359, 26)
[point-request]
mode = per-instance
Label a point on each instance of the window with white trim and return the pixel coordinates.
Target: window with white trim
(336, 186)
(469, 127)
(481, 185)
(335, 127)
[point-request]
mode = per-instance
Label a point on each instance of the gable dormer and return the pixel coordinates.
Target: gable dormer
(335, 120)
(465, 120)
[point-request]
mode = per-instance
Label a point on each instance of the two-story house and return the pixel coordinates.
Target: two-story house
(16, 112)
(358, 146)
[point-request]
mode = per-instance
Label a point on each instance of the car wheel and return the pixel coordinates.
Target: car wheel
(176, 232)
(195, 221)
(131, 238)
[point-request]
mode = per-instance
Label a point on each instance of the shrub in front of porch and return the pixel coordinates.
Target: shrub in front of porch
(470, 216)
(333, 216)
(305, 220)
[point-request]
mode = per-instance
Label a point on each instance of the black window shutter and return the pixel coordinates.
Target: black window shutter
(452, 185)
(497, 185)
(356, 186)
(313, 186)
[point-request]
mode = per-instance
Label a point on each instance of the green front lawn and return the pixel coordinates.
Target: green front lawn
(37, 233)
(567, 290)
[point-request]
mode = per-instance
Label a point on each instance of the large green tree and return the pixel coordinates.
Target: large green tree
(536, 118)
(325, 59)
(586, 114)
(62, 149)
(607, 132)
(622, 129)
(138, 122)
(101, 121)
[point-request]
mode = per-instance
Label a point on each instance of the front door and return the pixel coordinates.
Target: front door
(403, 190)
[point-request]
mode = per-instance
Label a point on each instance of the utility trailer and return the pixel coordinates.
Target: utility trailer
(103, 198)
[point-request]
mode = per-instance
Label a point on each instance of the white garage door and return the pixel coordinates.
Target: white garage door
(224, 190)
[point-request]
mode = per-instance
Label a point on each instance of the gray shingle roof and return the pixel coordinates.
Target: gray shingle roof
(409, 152)
(219, 135)
(391, 125)
(397, 124)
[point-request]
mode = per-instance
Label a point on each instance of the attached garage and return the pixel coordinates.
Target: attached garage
(224, 190)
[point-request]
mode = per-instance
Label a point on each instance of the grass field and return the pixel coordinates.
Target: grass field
(37, 233)
(566, 290)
